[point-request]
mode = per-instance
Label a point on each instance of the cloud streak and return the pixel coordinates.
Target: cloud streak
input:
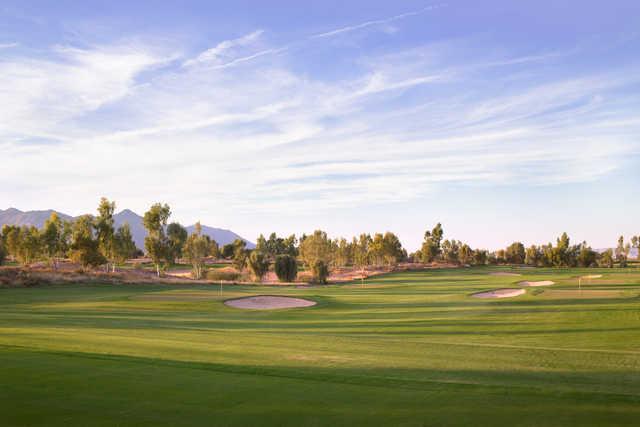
(215, 54)
(376, 22)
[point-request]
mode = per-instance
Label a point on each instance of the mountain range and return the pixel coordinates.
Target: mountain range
(13, 216)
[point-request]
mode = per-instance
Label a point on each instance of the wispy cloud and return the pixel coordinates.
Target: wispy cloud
(221, 50)
(375, 22)
(215, 56)
(8, 45)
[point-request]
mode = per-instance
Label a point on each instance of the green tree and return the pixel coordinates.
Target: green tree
(606, 259)
(286, 268)
(320, 272)
(177, 236)
(465, 254)
(11, 237)
(361, 251)
(105, 230)
(54, 237)
(533, 256)
(156, 243)
(290, 246)
(562, 254)
(515, 253)
(258, 264)
(376, 250)
(227, 251)
(84, 246)
(450, 250)
(343, 253)
(275, 246)
(214, 249)
(29, 244)
(316, 247)
(240, 254)
(587, 257)
(622, 252)
(124, 247)
(261, 244)
(196, 248)
(480, 257)
(431, 247)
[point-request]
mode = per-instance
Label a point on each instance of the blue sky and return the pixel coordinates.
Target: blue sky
(502, 120)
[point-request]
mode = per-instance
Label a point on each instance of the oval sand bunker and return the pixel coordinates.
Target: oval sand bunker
(540, 283)
(499, 293)
(266, 302)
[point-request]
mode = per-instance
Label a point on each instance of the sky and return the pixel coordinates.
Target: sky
(502, 120)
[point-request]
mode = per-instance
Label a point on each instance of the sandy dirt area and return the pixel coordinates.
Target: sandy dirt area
(592, 276)
(503, 273)
(500, 293)
(539, 283)
(267, 302)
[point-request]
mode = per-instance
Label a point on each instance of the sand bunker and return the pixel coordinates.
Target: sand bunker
(539, 283)
(592, 276)
(266, 302)
(499, 293)
(502, 273)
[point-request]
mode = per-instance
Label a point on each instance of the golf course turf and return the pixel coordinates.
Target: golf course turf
(411, 348)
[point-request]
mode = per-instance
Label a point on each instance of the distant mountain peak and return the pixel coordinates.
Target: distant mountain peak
(127, 212)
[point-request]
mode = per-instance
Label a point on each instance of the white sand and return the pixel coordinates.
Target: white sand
(502, 273)
(540, 283)
(500, 293)
(266, 302)
(592, 276)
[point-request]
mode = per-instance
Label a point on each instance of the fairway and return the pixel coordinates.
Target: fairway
(410, 349)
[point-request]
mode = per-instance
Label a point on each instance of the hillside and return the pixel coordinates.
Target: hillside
(15, 216)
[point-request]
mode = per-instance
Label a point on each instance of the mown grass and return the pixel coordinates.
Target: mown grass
(406, 349)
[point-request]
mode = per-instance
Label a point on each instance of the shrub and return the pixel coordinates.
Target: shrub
(320, 272)
(286, 268)
(258, 264)
(223, 274)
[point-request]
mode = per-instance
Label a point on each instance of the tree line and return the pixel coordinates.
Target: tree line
(88, 240)
(94, 241)
(560, 254)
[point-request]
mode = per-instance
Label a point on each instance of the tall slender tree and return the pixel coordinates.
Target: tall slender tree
(55, 239)
(156, 244)
(196, 248)
(105, 230)
(431, 247)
